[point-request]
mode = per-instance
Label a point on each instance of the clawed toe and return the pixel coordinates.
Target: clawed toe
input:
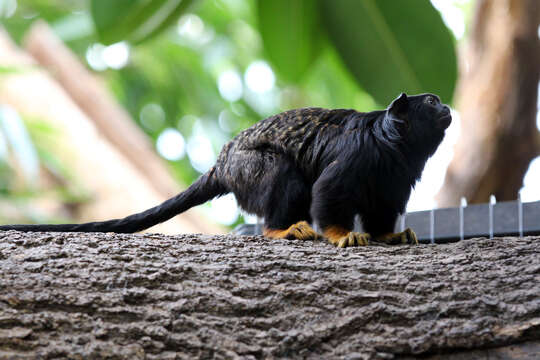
(405, 237)
(301, 231)
(352, 239)
(410, 237)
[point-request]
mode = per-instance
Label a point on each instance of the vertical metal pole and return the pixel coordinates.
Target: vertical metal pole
(491, 203)
(462, 204)
(258, 226)
(520, 215)
(403, 221)
(432, 225)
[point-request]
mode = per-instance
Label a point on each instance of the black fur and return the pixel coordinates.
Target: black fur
(199, 192)
(312, 164)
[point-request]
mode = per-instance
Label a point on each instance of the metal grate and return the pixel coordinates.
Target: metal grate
(508, 218)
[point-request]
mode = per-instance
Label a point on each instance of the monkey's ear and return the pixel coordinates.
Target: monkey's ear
(399, 107)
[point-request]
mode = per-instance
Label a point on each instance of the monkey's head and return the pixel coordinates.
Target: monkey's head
(418, 120)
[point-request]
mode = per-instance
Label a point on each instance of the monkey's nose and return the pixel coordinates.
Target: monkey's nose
(445, 111)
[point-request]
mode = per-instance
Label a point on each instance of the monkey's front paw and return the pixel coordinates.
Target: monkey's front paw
(405, 237)
(351, 239)
(301, 231)
(343, 237)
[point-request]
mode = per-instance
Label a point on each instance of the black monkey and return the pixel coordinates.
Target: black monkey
(313, 164)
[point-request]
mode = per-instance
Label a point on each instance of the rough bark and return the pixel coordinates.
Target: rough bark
(497, 99)
(193, 296)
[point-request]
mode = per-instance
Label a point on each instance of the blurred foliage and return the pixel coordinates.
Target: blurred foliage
(409, 48)
(24, 148)
(201, 67)
(134, 20)
(292, 35)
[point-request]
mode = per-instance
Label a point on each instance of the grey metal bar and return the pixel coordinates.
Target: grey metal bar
(432, 226)
(453, 224)
(520, 215)
(462, 204)
(492, 201)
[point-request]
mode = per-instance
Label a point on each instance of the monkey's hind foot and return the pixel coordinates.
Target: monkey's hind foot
(405, 237)
(342, 237)
(301, 231)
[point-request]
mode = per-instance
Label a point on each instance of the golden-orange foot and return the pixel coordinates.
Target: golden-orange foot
(405, 237)
(301, 231)
(342, 237)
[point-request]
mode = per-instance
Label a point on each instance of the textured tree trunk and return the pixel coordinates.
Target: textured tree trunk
(497, 100)
(192, 296)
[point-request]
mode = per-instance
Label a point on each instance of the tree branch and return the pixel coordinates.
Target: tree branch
(154, 296)
(497, 100)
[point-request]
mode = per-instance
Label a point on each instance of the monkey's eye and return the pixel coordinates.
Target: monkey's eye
(431, 100)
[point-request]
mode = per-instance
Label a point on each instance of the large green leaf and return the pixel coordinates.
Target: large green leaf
(393, 46)
(291, 32)
(134, 20)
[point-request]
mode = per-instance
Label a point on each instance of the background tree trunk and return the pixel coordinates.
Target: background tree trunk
(69, 295)
(497, 100)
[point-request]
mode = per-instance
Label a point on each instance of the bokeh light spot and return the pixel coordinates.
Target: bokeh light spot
(200, 152)
(152, 116)
(171, 144)
(116, 56)
(224, 209)
(94, 57)
(190, 26)
(230, 85)
(259, 77)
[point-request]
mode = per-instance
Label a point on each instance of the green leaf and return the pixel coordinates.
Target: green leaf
(291, 34)
(8, 70)
(393, 46)
(134, 20)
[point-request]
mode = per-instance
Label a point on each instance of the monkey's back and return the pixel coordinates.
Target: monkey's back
(289, 148)
(299, 134)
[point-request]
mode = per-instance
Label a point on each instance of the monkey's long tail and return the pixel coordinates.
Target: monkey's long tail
(203, 189)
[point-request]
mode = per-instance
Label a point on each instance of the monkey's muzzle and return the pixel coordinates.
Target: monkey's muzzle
(444, 119)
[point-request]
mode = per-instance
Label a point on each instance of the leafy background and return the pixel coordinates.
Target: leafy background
(193, 73)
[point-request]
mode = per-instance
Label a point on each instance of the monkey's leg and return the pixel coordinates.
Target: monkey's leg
(334, 210)
(269, 184)
(405, 237)
(381, 224)
(287, 204)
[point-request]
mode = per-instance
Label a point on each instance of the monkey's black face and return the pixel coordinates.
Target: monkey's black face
(421, 119)
(428, 108)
